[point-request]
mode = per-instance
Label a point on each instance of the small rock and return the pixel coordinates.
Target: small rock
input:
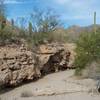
(11, 62)
(98, 86)
(3, 67)
(15, 75)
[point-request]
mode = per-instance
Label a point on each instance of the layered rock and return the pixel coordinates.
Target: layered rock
(54, 57)
(17, 65)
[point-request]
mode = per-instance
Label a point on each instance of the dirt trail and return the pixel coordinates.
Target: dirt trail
(56, 86)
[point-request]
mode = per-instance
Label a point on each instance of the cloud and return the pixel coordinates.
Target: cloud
(80, 8)
(70, 10)
(75, 17)
(19, 1)
(78, 11)
(12, 2)
(62, 1)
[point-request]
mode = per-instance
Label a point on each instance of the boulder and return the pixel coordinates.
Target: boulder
(98, 86)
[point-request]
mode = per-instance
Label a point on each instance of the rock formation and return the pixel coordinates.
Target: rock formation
(18, 64)
(54, 57)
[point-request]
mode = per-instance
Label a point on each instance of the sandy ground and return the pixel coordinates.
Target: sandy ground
(57, 86)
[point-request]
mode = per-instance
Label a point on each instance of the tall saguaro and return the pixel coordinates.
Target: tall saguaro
(2, 14)
(95, 22)
(30, 28)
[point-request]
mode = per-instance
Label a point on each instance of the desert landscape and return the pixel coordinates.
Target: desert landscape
(49, 49)
(16, 82)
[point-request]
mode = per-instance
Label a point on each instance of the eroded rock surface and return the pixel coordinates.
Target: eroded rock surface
(54, 57)
(18, 64)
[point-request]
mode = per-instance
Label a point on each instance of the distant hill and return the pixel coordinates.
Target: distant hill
(75, 31)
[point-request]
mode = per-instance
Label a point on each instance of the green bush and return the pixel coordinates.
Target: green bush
(42, 38)
(6, 34)
(88, 50)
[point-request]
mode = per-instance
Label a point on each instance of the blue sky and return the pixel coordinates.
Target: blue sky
(72, 12)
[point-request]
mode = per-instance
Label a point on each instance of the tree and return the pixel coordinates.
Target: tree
(88, 50)
(44, 24)
(21, 21)
(44, 21)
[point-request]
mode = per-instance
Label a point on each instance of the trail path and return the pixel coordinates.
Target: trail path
(57, 86)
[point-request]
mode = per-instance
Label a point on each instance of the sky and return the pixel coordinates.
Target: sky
(71, 12)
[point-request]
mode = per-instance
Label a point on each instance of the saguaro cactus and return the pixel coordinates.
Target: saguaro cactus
(95, 22)
(12, 23)
(30, 28)
(2, 22)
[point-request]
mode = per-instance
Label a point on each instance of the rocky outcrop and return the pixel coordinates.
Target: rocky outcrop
(17, 65)
(54, 57)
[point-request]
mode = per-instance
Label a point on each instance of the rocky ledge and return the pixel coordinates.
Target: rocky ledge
(18, 64)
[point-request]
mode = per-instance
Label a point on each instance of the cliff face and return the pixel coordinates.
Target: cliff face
(18, 64)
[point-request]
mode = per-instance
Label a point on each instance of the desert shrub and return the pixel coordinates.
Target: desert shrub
(44, 25)
(22, 33)
(6, 34)
(58, 36)
(41, 38)
(88, 50)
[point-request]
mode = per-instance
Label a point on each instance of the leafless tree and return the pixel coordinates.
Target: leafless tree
(44, 21)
